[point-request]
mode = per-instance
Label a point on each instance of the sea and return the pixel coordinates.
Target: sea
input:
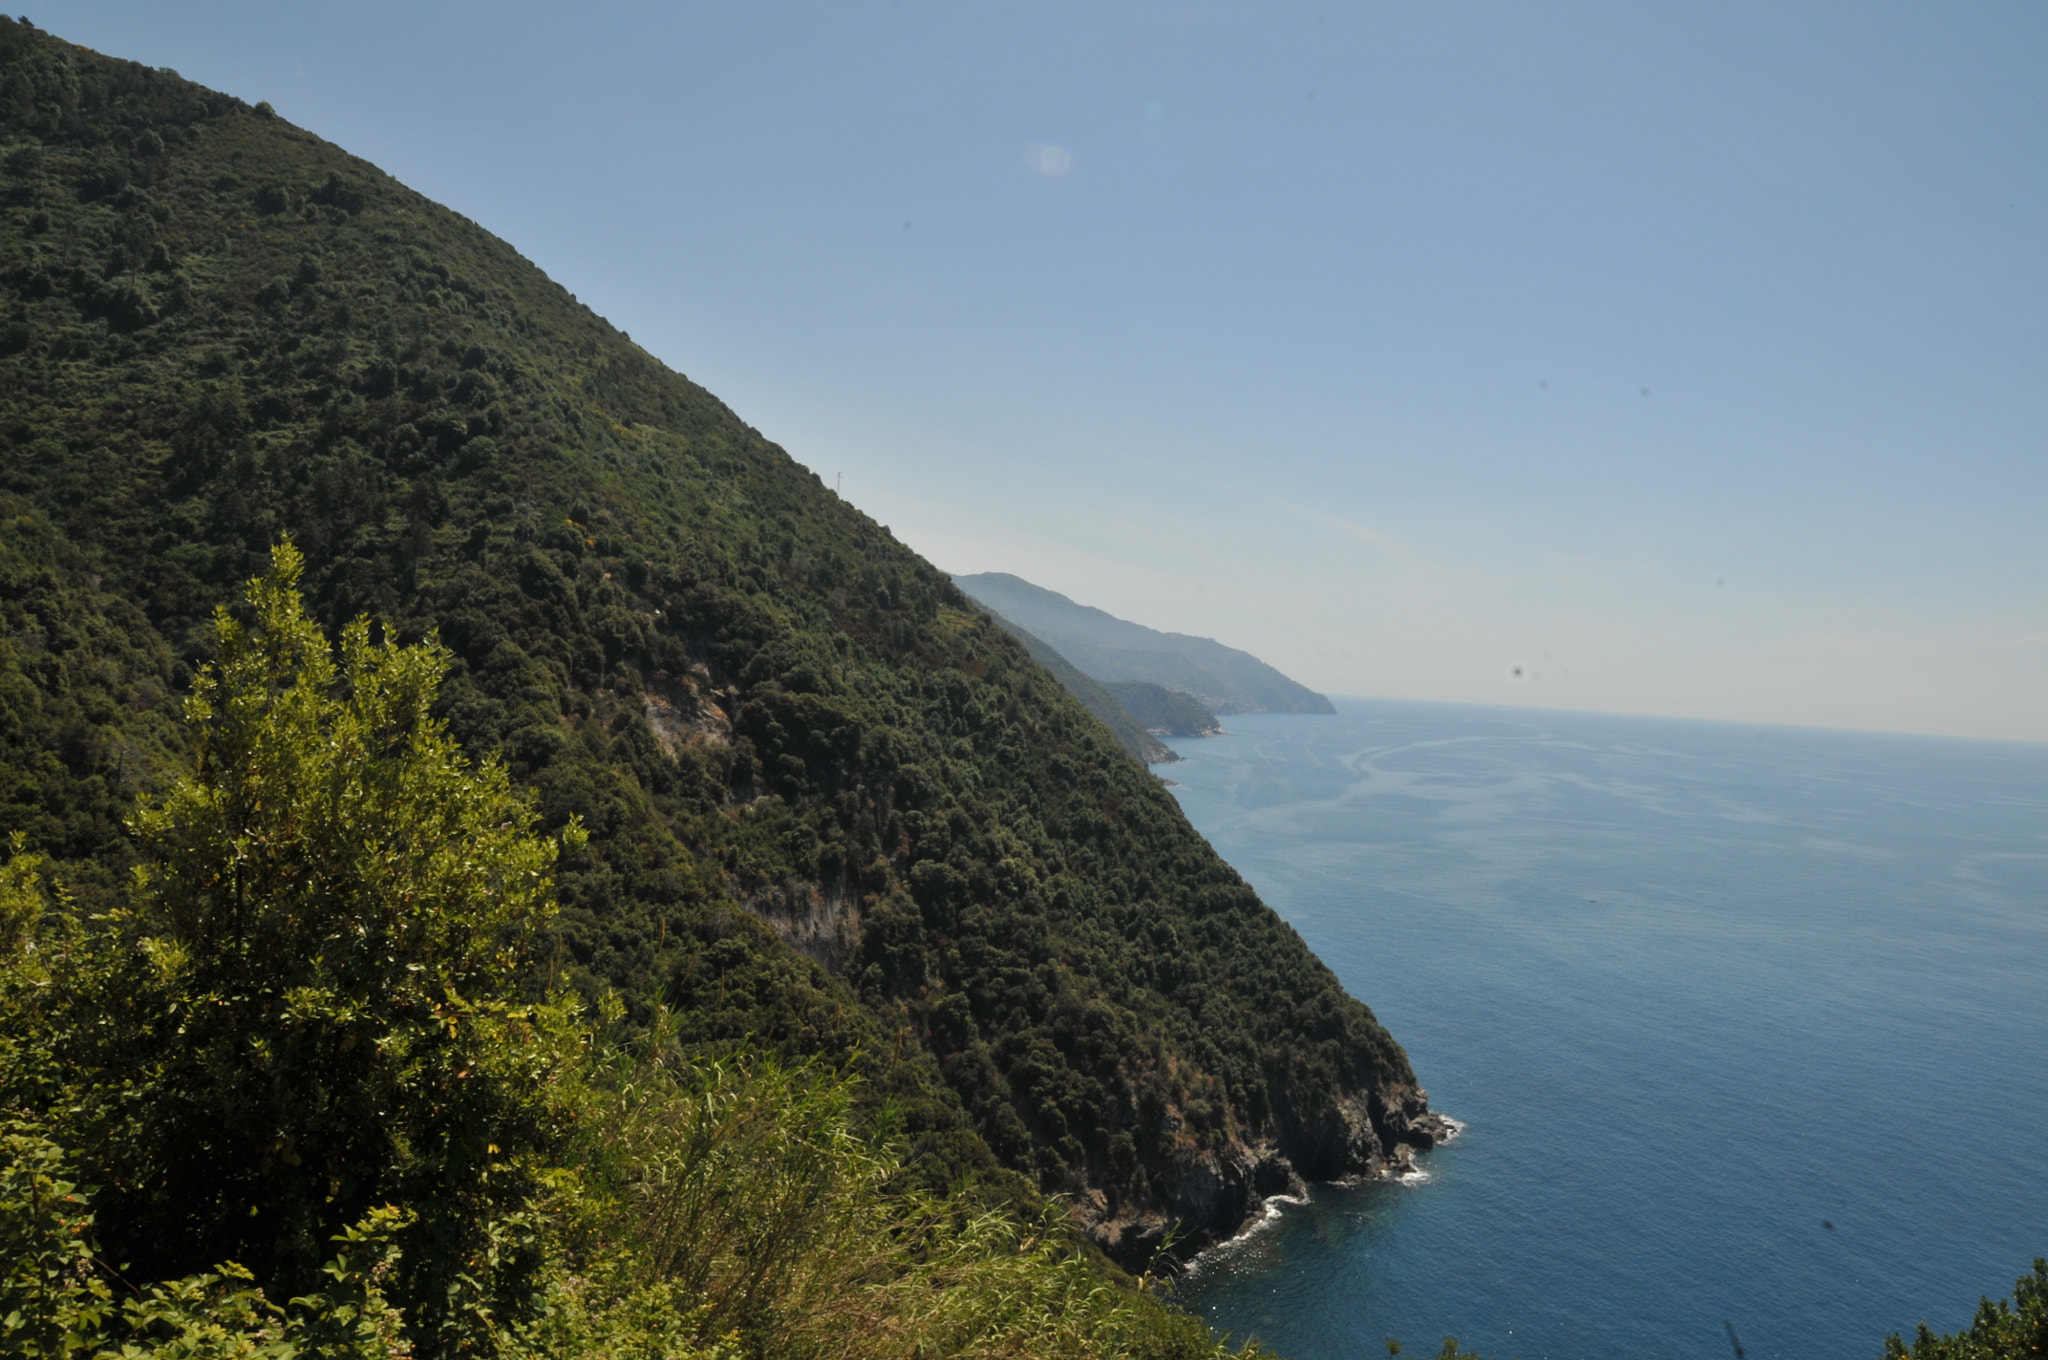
(1747, 1028)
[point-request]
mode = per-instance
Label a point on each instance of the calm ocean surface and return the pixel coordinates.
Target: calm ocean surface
(1696, 990)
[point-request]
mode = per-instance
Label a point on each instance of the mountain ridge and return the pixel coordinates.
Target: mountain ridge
(1109, 649)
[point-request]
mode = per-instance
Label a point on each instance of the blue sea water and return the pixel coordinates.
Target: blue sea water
(1698, 992)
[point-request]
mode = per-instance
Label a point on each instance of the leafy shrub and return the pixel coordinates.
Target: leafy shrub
(310, 1006)
(2010, 1329)
(274, 196)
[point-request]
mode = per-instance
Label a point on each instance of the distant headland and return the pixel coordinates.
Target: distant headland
(1142, 683)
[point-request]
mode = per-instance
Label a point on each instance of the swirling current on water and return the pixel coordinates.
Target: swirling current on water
(1745, 1024)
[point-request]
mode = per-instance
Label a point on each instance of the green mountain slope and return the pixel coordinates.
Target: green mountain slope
(1096, 697)
(833, 807)
(1110, 649)
(302, 1049)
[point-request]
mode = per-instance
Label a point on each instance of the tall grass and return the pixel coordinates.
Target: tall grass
(746, 1185)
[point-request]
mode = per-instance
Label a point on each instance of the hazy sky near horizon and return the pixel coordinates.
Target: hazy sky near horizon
(1691, 358)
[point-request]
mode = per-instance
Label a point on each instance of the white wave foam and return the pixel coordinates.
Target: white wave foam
(1270, 1209)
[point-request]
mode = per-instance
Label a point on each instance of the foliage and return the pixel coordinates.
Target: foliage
(47, 1292)
(22, 905)
(2010, 1329)
(309, 1007)
(852, 1271)
(310, 990)
(58, 1298)
(87, 713)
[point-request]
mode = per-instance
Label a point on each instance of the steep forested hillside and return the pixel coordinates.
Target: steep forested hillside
(288, 1101)
(832, 807)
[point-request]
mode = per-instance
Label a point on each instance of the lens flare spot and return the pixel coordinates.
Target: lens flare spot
(1048, 160)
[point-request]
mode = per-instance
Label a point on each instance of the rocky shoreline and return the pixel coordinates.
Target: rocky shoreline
(1221, 1193)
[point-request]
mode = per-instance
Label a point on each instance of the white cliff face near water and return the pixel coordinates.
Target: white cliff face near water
(1745, 1025)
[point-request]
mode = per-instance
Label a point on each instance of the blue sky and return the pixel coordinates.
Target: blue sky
(1693, 358)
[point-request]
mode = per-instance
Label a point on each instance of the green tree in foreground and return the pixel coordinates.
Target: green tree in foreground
(309, 1008)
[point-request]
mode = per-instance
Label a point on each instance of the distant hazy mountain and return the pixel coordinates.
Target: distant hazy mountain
(1165, 712)
(1110, 649)
(1126, 726)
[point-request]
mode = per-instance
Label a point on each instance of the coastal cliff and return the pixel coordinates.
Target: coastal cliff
(1220, 1192)
(834, 811)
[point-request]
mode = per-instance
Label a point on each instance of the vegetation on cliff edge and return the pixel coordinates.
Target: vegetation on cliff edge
(831, 808)
(321, 1119)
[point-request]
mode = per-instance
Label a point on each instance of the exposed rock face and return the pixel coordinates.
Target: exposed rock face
(1219, 1193)
(1332, 1140)
(1224, 1193)
(821, 924)
(1404, 1116)
(686, 719)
